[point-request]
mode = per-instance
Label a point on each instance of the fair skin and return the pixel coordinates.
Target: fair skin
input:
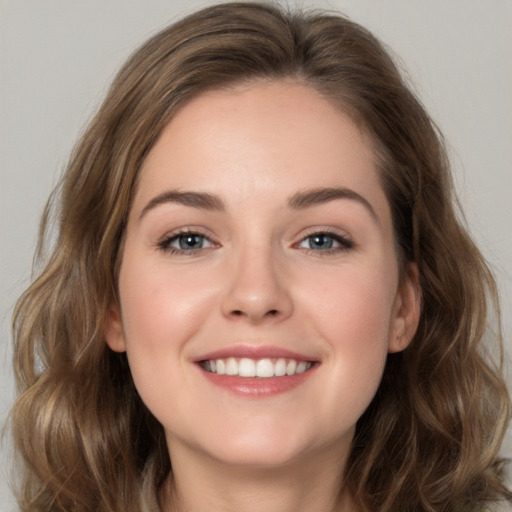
(260, 231)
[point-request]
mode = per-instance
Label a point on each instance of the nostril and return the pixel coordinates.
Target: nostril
(239, 312)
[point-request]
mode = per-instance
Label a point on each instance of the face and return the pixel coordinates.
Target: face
(259, 284)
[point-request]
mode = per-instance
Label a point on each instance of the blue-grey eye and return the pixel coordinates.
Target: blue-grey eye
(325, 243)
(319, 241)
(189, 242)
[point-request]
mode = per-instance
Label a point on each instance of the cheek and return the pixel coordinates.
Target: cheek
(354, 306)
(159, 303)
(161, 312)
(353, 314)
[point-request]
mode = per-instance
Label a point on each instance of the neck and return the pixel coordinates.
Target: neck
(311, 484)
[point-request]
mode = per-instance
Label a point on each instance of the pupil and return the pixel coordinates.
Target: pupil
(322, 242)
(190, 242)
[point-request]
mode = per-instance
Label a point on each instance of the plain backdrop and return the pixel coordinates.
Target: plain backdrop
(57, 58)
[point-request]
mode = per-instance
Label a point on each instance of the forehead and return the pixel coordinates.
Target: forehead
(268, 137)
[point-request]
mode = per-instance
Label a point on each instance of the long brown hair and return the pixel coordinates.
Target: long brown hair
(430, 438)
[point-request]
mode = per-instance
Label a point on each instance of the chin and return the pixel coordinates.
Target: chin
(260, 455)
(271, 447)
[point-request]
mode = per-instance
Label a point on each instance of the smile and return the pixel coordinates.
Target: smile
(263, 368)
(256, 371)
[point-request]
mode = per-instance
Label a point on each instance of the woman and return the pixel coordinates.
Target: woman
(249, 294)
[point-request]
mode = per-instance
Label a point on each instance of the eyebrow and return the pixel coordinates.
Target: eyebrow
(299, 201)
(319, 196)
(200, 200)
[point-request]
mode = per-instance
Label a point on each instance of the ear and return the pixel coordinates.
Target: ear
(406, 310)
(114, 333)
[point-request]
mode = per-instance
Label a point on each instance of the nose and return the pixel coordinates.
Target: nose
(256, 289)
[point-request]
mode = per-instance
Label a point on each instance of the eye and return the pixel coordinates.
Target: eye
(325, 243)
(185, 243)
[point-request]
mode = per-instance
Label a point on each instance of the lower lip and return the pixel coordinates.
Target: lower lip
(256, 386)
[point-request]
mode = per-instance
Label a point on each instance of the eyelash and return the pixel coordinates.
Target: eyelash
(164, 245)
(344, 244)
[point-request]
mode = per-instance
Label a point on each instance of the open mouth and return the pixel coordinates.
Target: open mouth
(264, 368)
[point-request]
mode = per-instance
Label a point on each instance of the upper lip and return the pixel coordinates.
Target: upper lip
(254, 352)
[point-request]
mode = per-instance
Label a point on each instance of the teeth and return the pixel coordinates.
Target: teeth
(301, 367)
(221, 366)
(231, 366)
(246, 368)
(290, 367)
(265, 368)
(280, 368)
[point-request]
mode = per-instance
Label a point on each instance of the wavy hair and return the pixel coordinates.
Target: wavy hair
(430, 438)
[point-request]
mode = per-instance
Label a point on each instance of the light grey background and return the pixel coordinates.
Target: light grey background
(58, 56)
